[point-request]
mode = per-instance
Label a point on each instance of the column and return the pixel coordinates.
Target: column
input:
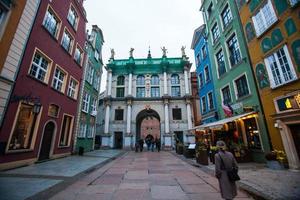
(130, 84)
(128, 129)
(186, 81)
(189, 115)
(109, 82)
(106, 125)
(167, 123)
(165, 84)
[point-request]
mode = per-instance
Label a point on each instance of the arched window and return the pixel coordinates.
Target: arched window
(175, 79)
(175, 85)
(140, 90)
(120, 86)
(155, 86)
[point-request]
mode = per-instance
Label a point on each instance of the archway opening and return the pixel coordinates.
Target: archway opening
(148, 124)
(47, 141)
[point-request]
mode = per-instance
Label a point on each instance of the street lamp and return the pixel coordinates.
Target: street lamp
(37, 108)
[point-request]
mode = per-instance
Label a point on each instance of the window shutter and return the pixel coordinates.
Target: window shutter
(271, 78)
(255, 26)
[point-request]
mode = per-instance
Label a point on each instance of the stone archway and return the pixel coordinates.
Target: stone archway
(47, 141)
(147, 123)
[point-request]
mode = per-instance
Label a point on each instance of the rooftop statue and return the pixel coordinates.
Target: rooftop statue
(112, 56)
(183, 51)
(131, 52)
(164, 50)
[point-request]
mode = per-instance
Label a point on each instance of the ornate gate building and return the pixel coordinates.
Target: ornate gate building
(144, 91)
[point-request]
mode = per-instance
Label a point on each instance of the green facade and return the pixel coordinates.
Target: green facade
(235, 70)
(92, 87)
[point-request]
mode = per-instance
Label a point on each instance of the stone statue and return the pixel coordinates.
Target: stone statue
(131, 52)
(183, 51)
(164, 50)
(112, 52)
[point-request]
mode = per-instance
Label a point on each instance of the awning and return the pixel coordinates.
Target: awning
(220, 123)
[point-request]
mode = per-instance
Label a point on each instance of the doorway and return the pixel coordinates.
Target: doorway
(147, 124)
(179, 136)
(295, 131)
(118, 143)
(47, 141)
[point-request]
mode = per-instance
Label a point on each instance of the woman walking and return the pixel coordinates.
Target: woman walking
(225, 160)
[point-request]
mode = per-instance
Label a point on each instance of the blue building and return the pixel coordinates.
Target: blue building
(203, 69)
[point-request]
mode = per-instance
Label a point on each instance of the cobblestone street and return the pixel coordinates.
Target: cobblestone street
(147, 175)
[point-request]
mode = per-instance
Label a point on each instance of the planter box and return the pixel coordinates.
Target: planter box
(202, 157)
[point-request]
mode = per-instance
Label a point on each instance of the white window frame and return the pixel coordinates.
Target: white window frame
(55, 16)
(71, 44)
(202, 107)
(94, 106)
(232, 100)
(212, 35)
(217, 63)
(73, 20)
(90, 131)
(90, 73)
(205, 77)
(260, 21)
(268, 67)
(221, 15)
(208, 103)
(82, 130)
(78, 55)
(57, 82)
(73, 88)
(235, 87)
(86, 102)
(97, 55)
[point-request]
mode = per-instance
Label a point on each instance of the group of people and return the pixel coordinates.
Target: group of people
(151, 143)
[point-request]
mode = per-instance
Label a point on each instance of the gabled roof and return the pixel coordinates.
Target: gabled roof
(197, 34)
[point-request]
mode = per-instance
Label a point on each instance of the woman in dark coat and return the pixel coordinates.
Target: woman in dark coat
(228, 189)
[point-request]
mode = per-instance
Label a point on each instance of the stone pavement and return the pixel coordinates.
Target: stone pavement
(262, 182)
(51, 176)
(145, 176)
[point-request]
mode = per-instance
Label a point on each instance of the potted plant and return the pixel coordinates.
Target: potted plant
(272, 161)
(201, 153)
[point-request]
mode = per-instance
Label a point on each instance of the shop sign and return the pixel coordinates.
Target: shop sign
(288, 103)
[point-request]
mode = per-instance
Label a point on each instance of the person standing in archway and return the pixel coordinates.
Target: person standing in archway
(157, 143)
(141, 144)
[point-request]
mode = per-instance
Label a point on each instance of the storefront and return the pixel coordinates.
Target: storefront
(287, 119)
(241, 134)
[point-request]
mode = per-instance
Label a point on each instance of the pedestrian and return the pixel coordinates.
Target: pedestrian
(152, 144)
(157, 143)
(225, 160)
(141, 144)
(137, 147)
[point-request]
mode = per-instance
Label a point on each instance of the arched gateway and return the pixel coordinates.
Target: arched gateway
(147, 96)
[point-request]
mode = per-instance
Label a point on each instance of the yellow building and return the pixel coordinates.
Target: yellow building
(272, 32)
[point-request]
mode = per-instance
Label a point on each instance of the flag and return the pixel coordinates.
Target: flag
(227, 110)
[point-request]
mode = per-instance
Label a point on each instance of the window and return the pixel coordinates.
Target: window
(94, 106)
(241, 86)
(234, 51)
(176, 112)
(264, 18)
(78, 55)
(66, 131)
(203, 104)
(140, 92)
(3, 17)
(140, 80)
(119, 114)
(204, 53)
(220, 63)
(226, 95)
(175, 91)
(90, 131)
(97, 81)
(73, 17)
(280, 68)
(252, 133)
(73, 88)
(86, 102)
(97, 55)
(52, 23)
(24, 130)
(67, 41)
(215, 32)
(154, 80)
(207, 76)
(82, 130)
(226, 16)
(210, 101)
(209, 10)
(59, 80)
(89, 73)
(198, 59)
(40, 67)
(201, 80)
(120, 86)
(175, 79)
(155, 92)
(294, 2)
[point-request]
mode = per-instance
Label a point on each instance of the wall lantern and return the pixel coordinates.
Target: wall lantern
(37, 108)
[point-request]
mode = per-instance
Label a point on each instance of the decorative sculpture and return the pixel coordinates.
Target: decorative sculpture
(131, 52)
(183, 51)
(112, 56)
(164, 50)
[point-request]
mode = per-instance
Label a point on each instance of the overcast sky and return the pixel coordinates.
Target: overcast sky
(143, 23)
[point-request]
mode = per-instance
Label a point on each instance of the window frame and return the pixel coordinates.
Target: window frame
(71, 90)
(222, 96)
(86, 98)
(236, 88)
(59, 22)
(76, 22)
(203, 104)
(173, 114)
(119, 116)
(82, 130)
(206, 75)
(235, 44)
(72, 40)
(81, 54)
(69, 135)
(63, 83)
(49, 67)
(217, 62)
(215, 34)
(210, 105)
(229, 13)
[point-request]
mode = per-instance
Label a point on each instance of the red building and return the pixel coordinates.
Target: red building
(40, 117)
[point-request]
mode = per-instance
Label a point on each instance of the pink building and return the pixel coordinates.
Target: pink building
(40, 118)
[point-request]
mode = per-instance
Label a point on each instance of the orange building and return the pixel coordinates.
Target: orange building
(272, 33)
